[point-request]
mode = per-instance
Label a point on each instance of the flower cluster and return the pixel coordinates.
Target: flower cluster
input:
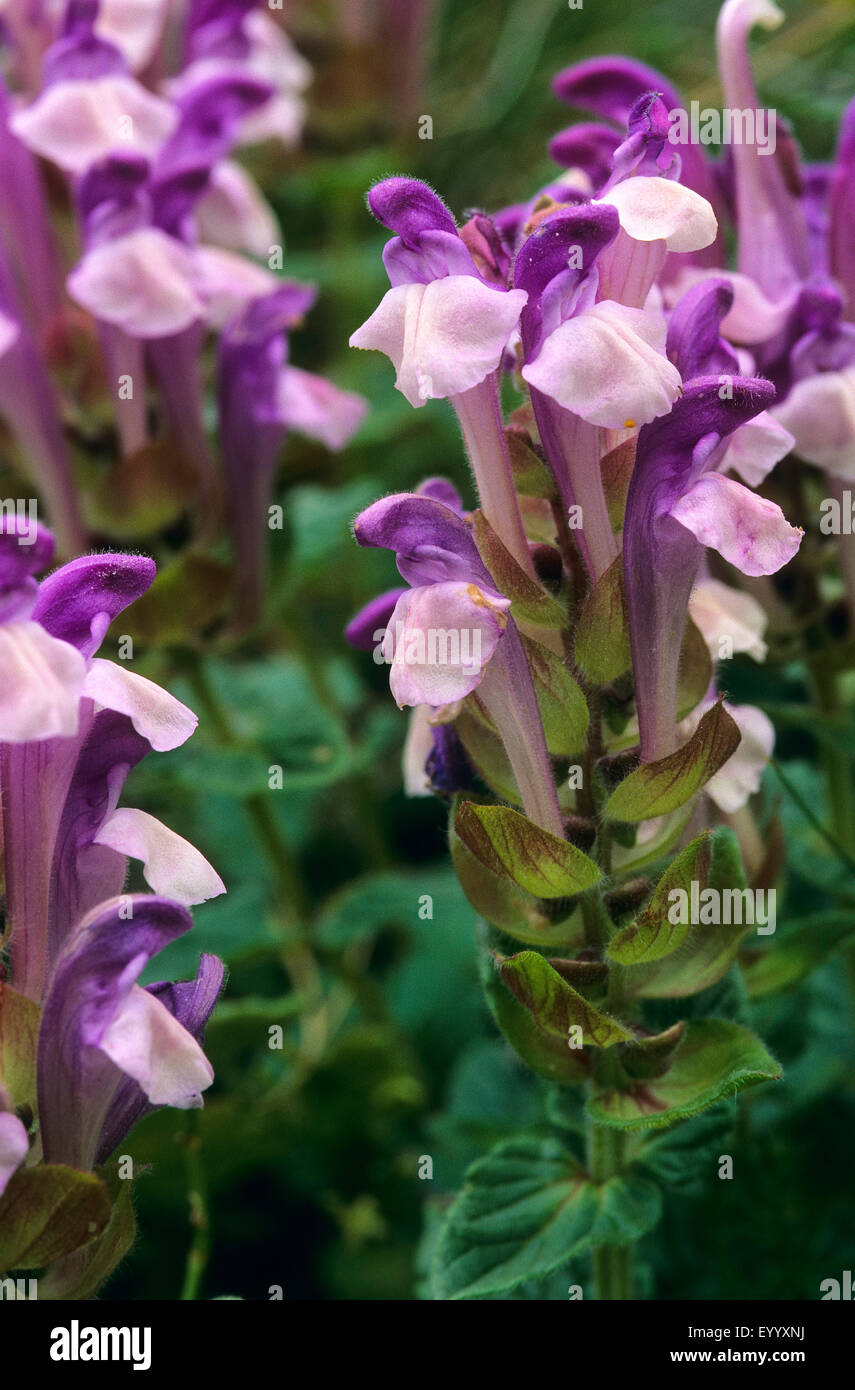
(651, 370)
(622, 519)
(139, 110)
(86, 1049)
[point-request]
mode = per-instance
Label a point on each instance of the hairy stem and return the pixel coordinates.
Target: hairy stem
(197, 1196)
(839, 788)
(612, 1263)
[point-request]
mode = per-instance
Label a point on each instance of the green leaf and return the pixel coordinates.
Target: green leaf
(656, 788)
(709, 948)
(321, 519)
(507, 907)
(19, 1031)
(602, 633)
(555, 1005)
(806, 945)
(511, 846)
(83, 1277)
(716, 1059)
(532, 477)
(528, 1208)
(694, 672)
(652, 936)
(547, 1054)
(686, 1153)
(563, 708)
(362, 908)
(644, 1058)
(276, 703)
(529, 602)
(616, 468)
(47, 1212)
(629, 859)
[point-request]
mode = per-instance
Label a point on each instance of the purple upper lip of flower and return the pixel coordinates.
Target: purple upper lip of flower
(433, 544)
(125, 190)
(612, 87)
(545, 257)
(79, 53)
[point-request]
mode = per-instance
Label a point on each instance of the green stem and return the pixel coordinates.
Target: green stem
(292, 904)
(197, 1196)
(840, 791)
(612, 1263)
(838, 769)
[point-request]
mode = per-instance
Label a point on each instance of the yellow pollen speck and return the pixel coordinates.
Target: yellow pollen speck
(629, 424)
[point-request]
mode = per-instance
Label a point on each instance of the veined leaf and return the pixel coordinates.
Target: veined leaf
(602, 634)
(616, 468)
(547, 1054)
(525, 1210)
(788, 961)
(82, 1278)
(563, 708)
(511, 846)
(532, 477)
(709, 948)
(47, 1212)
(656, 788)
(652, 935)
(530, 603)
(507, 907)
(694, 671)
(716, 1059)
(486, 752)
(19, 1031)
(555, 1005)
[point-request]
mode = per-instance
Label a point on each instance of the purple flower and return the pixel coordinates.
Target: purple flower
(99, 1028)
(65, 841)
(234, 36)
(260, 397)
(599, 360)
(108, 1050)
(451, 633)
(442, 326)
(81, 117)
(772, 243)
(43, 674)
(679, 502)
(445, 326)
(144, 270)
(620, 90)
(841, 209)
(611, 87)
